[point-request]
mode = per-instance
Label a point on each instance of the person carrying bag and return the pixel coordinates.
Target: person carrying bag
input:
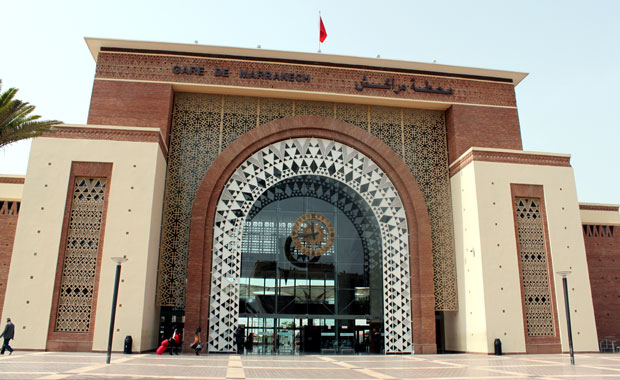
(197, 344)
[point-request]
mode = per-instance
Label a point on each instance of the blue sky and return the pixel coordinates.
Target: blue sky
(569, 48)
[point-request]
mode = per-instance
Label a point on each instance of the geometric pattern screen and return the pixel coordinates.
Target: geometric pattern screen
(534, 268)
(80, 262)
(602, 231)
(9, 207)
(204, 125)
(301, 157)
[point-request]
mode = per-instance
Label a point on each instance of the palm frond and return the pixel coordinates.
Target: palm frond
(16, 123)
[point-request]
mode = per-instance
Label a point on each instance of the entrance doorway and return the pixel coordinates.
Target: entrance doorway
(289, 336)
(311, 278)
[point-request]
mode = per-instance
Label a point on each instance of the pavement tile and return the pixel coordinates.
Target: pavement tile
(292, 364)
(341, 373)
(90, 366)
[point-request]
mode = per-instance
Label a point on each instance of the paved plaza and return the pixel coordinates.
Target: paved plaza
(73, 366)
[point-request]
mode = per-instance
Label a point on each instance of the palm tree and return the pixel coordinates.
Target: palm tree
(16, 123)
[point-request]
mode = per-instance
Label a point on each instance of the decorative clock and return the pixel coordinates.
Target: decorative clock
(312, 234)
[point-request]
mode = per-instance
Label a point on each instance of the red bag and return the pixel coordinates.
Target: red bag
(161, 350)
(176, 338)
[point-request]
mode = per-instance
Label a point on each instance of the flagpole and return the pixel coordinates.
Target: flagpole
(319, 31)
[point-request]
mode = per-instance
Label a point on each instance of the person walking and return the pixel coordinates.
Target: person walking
(249, 343)
(7, 334)
(240, 339)
(197, 344)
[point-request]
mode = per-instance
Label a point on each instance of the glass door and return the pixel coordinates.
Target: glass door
(285, 340)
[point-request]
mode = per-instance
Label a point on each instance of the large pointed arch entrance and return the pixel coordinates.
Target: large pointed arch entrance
(290, 148)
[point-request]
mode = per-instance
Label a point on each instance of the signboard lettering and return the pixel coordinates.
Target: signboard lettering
(289, 77)
(221, 72)
(389, 84)
(243, 74)
(188, 70)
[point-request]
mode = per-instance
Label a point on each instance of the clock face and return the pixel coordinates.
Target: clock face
(312, 234)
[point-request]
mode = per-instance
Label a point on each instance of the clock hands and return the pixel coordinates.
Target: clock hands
(312, 233)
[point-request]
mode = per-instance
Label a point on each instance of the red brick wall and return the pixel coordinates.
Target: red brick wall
(487, 127)
(132, 104)
(603, 255)
(9, 211)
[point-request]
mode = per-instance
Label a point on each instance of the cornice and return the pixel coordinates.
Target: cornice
(17, 180)
(97, 45)
(514, 157)
(103, 133)
(591, 207)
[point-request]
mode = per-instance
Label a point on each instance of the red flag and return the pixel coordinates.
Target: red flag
(322, 31)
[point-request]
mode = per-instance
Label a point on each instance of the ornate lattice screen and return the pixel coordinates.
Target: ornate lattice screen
(534, 268)
(204, 125)
(324, 161)
(80, 260)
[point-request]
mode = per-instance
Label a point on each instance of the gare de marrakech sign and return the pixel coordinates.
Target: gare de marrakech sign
(245, 74)
(305, 78)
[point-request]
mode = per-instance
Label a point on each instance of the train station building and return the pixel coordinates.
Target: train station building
(326, 204)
